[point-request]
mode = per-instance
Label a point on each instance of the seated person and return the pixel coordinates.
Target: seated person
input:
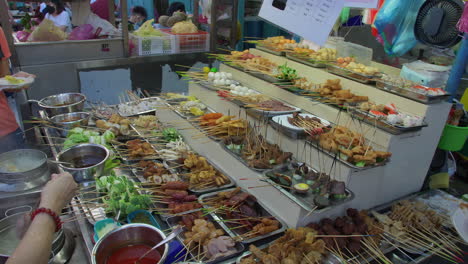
(56, 12)
(138, 17)
(176, 7)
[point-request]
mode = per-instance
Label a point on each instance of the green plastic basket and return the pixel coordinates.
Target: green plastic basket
(453, 138)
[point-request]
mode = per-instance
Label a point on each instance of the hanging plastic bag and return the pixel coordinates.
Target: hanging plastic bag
(395, 24)
(107, 29)
(47, 31)
(82, 32)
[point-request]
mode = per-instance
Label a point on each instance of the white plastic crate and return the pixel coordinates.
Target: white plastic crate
(196, 42)
(142, 46)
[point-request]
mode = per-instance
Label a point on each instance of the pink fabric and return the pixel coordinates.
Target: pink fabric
(100, 8)
(463, 22)
(7, 117)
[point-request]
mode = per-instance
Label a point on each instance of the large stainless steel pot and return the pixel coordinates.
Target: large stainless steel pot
(62, 103)
(127, 235)
(87, 151)
(23, 169)
(9, 239)
(58, 121)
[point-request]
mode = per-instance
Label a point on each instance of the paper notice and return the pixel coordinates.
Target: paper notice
(311, 19)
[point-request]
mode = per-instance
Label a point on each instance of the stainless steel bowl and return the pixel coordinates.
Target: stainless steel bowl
(58, 120)
(87, 151)
(63, 103)
(23, 169)
(128, 235)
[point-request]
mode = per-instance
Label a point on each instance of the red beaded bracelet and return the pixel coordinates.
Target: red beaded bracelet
(56, 218)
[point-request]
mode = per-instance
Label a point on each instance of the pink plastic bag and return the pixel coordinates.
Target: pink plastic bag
(22, 36)
(85, 31)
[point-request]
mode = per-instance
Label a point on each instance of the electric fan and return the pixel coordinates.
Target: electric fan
(436, 23)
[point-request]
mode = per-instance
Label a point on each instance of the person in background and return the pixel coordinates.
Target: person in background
(36, 244)
(138, 17)
(11, 136)
(147, 4)
(42, 6)
(56, 12)
(176, 7)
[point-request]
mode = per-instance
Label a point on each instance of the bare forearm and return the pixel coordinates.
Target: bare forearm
(36, 244)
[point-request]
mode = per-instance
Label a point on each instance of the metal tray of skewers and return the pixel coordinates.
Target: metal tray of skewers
(329, 259)
(187, 115)
(408, 93)
(252, 208)
(358, 77)
(309, 197)
(271, 79)
(194, 122)
(91, 197)
(268, 50)
(382, 123)
(123, 152)
(154, 171)
(270, 113)
(199, 254)
(314, 144)
(239, 157)
(418, 251)
(147, 102)
(178, 169)
(307, 61)
(213, 87)
(283, 123)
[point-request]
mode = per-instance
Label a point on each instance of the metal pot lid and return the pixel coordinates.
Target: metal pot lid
(21, 161)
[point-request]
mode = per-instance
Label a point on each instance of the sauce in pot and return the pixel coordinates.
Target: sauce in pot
(130, 254)
(85, 161)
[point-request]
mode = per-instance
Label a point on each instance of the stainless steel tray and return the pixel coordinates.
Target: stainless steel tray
(143, 112)
(119, 148)
(358, 77)
(174, 220)
(267, 113)
(407, 93)
(139, 172)
(178, 111)
(349, 164)
(307, 61)
(383, 124)
(329, 259)
(239, 158)
(235, 232)
(92, 214)
(211, 189)
(270, 79)
(266, 49)
(306, 201)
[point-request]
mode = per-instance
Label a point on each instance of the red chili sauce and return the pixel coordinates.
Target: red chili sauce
(130, 254)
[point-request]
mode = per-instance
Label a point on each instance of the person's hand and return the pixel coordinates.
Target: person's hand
(15, 90)
(58, 192)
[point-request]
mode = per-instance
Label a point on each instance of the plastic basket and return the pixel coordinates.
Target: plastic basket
(191, 42)
(453, 138)
(142, 46)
